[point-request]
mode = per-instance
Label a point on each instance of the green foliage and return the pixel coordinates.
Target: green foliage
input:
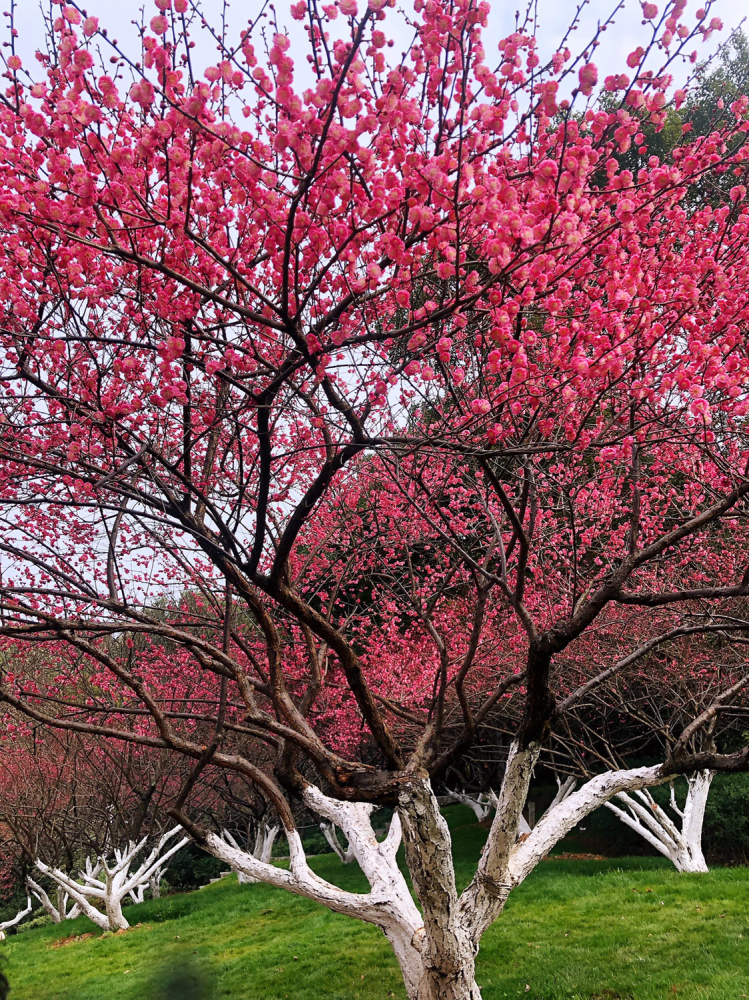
(576, 930)
(718, 83)
(43, 920)
(726, 832)
(190, 868)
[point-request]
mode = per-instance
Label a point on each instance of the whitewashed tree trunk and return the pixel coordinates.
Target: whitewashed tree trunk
(436, 948)
(7, 924)
(138, 894)
(679, 840)
(103, 886)
(152, 885)
(479, 804)
(265, 838)
(329, 832)
(59, 912)
(154, 882)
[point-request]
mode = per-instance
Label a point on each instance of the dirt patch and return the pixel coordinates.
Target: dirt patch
(75, 938)
(567, 856)
(64, 942)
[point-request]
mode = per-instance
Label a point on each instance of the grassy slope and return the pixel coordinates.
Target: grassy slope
(629, 928)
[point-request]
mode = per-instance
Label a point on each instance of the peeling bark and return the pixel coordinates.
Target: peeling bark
(447, 953)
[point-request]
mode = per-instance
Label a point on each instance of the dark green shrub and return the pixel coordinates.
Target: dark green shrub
(726, 833)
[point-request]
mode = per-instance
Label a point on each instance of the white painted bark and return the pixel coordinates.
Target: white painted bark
(103, 886)
(446, 970)
(152, 885)
(679, 840)
(58, 912)
(389, 904)
(508, 858)
(436, 948)
(154, 882)
(481, 805)
(7, 924)
(138, 894)
(557, 822)
(564, 788)
(329, 832)
(265, 838)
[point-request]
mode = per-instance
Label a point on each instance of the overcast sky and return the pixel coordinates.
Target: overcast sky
(553, 17)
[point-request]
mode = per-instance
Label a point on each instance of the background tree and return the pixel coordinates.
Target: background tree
(642, 714)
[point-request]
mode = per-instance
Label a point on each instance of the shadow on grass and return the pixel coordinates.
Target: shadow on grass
(181, 978)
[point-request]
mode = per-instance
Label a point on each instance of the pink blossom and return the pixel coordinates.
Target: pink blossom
(588, 77)
(635, 58)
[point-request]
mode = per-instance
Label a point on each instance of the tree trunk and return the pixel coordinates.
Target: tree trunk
(436, 948)
(681, 845)
(457, 983)
(267, 834)
(113, 904)
(690, 860)
(7, 924)
(447, 950)
(93, 892)
(329, 832)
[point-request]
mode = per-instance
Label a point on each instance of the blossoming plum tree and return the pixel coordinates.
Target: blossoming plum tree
(316, 381)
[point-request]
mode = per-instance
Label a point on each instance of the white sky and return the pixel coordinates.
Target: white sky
(553, 18)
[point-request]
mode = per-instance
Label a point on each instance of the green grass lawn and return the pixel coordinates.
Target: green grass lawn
(575, 930)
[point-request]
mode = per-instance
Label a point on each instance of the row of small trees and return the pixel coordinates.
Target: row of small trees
(54, 807)
(84, 828)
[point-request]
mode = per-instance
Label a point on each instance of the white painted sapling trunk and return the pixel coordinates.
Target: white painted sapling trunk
(138, 894)
(63, 910)
(152, 885)
(103, 887)
(679, 840)
(564, 788)
(330, 834)
(7, 924)
(436, 946)
(265, 838)
(480, 804)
